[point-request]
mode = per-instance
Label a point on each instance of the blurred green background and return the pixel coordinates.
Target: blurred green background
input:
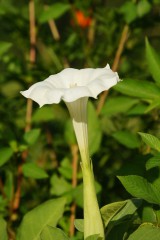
(40, 38)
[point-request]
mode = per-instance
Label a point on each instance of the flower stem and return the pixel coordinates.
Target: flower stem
(92, 217)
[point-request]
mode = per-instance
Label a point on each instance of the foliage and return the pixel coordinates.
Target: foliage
(36, 172)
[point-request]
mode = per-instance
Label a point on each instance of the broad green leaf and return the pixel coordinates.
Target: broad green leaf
(4, 47)
(118, 105)
(33, 171)
(59, 185)
(146, 232)
(37, 219)
(3, 229)
(127, 211)
(127, 138)
(79, 224)
(138, 88)
(153, 61)
(139, 187)
(143, 7)
(94, 129)
(110, 210)
(117, 212)
(150, 140)
(153, 162)
(31, 136)
(52, 233)
(5, 154)
(54, 11)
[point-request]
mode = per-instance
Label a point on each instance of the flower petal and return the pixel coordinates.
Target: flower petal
(75, 93)
(43, 93)
(104, 83)
(72, 84)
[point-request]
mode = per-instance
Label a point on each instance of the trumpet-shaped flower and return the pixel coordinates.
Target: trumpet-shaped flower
(72, 84)
(74, 87)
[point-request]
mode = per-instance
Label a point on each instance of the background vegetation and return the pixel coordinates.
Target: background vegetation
(39, 159)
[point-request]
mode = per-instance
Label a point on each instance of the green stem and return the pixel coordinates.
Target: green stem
(92, 217)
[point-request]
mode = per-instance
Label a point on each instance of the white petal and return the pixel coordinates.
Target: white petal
(75, 93)
(104, 83)
(78, 112)
(43, 93)
(72, 84)
(88, 75)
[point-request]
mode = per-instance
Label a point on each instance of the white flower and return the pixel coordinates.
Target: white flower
(72, 84)
(74, 87)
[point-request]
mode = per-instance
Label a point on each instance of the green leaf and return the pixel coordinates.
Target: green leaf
(117, 212)
(52, 233)
(127, 138)
(153, 61)
(127, 211)
(138, 88)
(5, 154)
(150, 140)
(94, 129)
(139, 187)
(33, 171)
(79, 224)
(59, 185)
(37, 219)
(65, 168)
(118, 105)
(153, 162)
(146, 232)
(143, 7)
(54, 11)
(31, 136)
(4, 47)
(110, 210)
(3, 229)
